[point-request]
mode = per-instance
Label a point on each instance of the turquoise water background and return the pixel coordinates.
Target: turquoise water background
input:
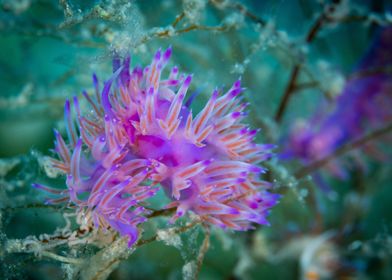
(48, 52)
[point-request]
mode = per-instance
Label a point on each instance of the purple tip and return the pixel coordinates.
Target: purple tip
(236, 115)
(67, 107)
(187, 81)
(253, 205)
(167, 54)
(215, 94)
(235, 92)
(79, 143)
(237, 83)
(244, 131)
(95, 79)
(158, 55)
(116, 63)
(173, 82)
(76, 104)
(180, 213)
(234, 211)
(138, 72)
(241, 180)
(256, 169)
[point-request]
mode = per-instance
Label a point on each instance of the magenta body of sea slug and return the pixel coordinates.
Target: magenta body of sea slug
(140, 135)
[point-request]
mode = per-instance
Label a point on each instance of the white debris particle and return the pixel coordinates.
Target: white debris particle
(121, 42)
(169, 237)
(356, 245)
(235, 20)
(45, 163)
(20, 100)
(68, 270)
(239, 68)
(188, 270)
(16, 6)
(333, 81)
(193, 9)
(244, 264)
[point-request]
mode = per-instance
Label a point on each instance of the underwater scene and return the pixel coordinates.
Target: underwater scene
(195, 139)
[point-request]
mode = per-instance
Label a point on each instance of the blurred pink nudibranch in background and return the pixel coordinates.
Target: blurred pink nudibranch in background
(363, 106)
(140, 135)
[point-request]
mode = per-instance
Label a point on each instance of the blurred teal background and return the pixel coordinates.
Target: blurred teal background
(48, 52)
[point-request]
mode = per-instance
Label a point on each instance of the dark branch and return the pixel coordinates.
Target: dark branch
(310, 36)
(287, 93)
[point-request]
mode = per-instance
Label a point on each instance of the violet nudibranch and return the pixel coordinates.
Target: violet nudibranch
(141, 135)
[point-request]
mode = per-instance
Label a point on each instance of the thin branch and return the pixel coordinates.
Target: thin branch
(178, 19)
(312, 33)
(245, 11)
(171, 32)
(203, 27)
(342, 150)
(287, 93)
(203, 250)
(161, 212)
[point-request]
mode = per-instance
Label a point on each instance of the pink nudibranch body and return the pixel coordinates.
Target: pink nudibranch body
(140, 135)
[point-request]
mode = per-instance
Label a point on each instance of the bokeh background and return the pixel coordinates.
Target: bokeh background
(49, 50)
